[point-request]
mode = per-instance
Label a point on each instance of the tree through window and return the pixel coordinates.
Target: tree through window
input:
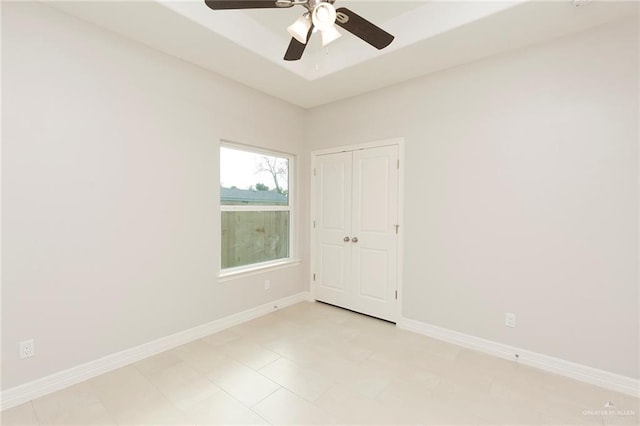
(255, 206)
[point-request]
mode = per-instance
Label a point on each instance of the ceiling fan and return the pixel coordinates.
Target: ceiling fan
(321, 15)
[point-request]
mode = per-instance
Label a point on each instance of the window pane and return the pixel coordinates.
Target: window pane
(249, 178)
(253, 237)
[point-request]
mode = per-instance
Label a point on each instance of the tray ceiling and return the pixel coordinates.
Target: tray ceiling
(247, 46)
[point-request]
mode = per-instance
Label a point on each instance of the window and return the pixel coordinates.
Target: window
(255, 204)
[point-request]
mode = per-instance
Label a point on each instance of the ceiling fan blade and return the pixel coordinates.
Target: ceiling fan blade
(360, 27)
(296, 49)
(241, 4)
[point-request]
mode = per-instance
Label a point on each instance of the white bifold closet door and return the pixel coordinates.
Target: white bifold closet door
(356, 241)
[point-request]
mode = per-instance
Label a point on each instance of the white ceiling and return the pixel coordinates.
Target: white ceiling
(248, 45)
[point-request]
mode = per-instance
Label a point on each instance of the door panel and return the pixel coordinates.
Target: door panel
(373, 265)
(332, 272)
(375, 214)
(333, 187)
(372, 185)
(333, 223)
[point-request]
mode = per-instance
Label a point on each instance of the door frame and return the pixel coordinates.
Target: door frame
(399, 142)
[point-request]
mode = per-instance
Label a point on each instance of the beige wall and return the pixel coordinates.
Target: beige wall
(109, 191)
(521, 194)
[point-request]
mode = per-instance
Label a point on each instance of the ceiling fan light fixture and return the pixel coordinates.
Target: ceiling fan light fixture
(330, 35)
(323, 16)
(320, 15)
(300, 28)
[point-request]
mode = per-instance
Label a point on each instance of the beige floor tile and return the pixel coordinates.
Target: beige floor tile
(201, 357)
(561, 418)
(576, 402)
(157, 362)
(559, 388)
(480, 361)
(336, 330)
(444, 350)
(411, 340)
(344, 347)
(182, 385)
(380, 340)
(301, 313)
(434, 414)
(267, 328)
(621, 418)
(346, 405)
(429, 403)
(242, 382)
(517, 392)
(393, 363)
(151, 411)
(518, 373)
(370, 379)
(336, 367)
(78, 404)
(190, 349)
(495, 410)
(222, 337)
(222, 409)
(248, 353)
(350, 407)
(296, 348)
(128, 375)
(560, 410)
(456, 376)
(22, 414)
(410, 392)
(417, 404)
(428, 411)
(304, 382)
(448, 393)
(124, 389)
(286, 408)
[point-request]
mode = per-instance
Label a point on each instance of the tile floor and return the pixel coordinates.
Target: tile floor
(316, 364)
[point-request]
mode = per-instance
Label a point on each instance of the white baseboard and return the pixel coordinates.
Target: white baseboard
(57, 381)
(559, 366)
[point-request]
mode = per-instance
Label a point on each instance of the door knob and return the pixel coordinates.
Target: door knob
(346, 239)
(354, 239)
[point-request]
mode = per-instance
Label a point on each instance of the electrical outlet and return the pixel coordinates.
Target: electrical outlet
(267, 284)
(26, 349)
(510, 319)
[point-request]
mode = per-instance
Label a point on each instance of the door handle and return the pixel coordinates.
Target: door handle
(346, 239)
(354, 240)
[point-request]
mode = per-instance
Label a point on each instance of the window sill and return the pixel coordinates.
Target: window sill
(237, 273)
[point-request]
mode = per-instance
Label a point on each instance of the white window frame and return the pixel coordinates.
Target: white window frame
(245, 270)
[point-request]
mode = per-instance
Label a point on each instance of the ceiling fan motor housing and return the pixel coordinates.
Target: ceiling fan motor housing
(311, 4)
